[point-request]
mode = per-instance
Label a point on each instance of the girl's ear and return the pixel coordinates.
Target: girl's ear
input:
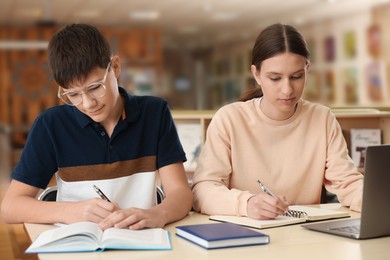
(308, 65)
(256, 74)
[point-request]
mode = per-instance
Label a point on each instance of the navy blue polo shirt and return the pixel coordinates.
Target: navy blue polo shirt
(64, 139)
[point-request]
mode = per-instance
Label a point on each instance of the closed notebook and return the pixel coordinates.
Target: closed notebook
(88, 237)
(221, 235)
(299, 214)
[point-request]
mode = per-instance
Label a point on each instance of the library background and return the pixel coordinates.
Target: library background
(349, 73)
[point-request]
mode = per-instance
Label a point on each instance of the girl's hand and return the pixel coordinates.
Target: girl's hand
(264, 206)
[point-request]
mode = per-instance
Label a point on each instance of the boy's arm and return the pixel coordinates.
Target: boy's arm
(178, 195)
(21, 206)
(175, 206)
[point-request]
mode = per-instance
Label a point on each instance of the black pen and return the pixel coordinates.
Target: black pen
(269, 192)
(100, 193)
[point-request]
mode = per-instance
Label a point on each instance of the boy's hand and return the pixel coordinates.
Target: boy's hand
(94, 210)
(134, 218)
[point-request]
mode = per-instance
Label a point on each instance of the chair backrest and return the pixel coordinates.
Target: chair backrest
(50, 194)
(160, 194)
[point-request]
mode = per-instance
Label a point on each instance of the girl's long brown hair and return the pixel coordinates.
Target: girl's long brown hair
(273, 40)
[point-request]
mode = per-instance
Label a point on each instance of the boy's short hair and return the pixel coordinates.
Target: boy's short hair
(75, 51)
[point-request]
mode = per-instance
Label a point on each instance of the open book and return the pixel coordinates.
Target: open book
(88, 237)
(299, 214)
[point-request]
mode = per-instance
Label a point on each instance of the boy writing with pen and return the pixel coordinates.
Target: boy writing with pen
(100, 136)
(101, 194)
(273, 135)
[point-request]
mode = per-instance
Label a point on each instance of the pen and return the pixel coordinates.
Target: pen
(269, 192)
(100, 193)
(266, 190)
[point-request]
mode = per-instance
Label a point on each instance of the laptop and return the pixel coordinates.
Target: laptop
(374, 220)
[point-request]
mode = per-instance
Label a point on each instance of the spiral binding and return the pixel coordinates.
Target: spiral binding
(295, 213)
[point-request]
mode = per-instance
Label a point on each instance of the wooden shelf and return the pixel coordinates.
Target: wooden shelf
(348, 118)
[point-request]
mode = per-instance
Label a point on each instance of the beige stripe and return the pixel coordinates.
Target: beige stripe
(108, 171)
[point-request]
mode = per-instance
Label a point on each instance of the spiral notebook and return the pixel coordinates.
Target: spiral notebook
(298, 214)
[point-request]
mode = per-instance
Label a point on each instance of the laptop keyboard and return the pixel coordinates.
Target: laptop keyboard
(355, 229)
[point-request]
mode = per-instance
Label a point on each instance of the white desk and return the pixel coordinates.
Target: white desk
(288, 242)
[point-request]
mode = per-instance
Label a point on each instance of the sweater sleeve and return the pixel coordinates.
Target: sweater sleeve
(341, 175)
(212, 194)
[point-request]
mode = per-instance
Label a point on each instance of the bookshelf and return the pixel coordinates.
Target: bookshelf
(364, 118)
(198, 120)
(348, 118)
(201, 117)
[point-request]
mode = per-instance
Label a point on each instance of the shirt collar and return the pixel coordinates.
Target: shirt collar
(132, 109)
(130, 114)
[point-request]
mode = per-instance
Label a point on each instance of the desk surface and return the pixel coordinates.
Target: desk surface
(288, 242)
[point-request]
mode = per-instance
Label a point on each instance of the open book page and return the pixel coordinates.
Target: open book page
(153, 238)
(313, 213)
(254, 223)
(88, 237)
(82, 236)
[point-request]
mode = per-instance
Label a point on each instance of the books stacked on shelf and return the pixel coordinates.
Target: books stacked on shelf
(360, 139)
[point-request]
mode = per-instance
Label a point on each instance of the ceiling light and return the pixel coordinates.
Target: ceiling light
(207, 7)
(188, 29)
(144, 15)
(220, 16)
(29, 13)
(23, 45)
(87, 14)
(299, 20)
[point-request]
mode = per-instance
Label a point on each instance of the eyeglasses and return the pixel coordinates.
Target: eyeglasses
(95, 90)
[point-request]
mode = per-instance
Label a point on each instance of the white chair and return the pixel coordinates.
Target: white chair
(50, 194)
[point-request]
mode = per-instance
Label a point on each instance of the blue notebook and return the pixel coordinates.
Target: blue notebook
(221, 235)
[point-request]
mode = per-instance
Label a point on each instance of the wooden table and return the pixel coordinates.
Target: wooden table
(288, 242)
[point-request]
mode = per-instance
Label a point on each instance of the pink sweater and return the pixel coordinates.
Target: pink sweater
(292, 157)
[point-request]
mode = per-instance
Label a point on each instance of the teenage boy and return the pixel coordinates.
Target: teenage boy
(101, 136)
